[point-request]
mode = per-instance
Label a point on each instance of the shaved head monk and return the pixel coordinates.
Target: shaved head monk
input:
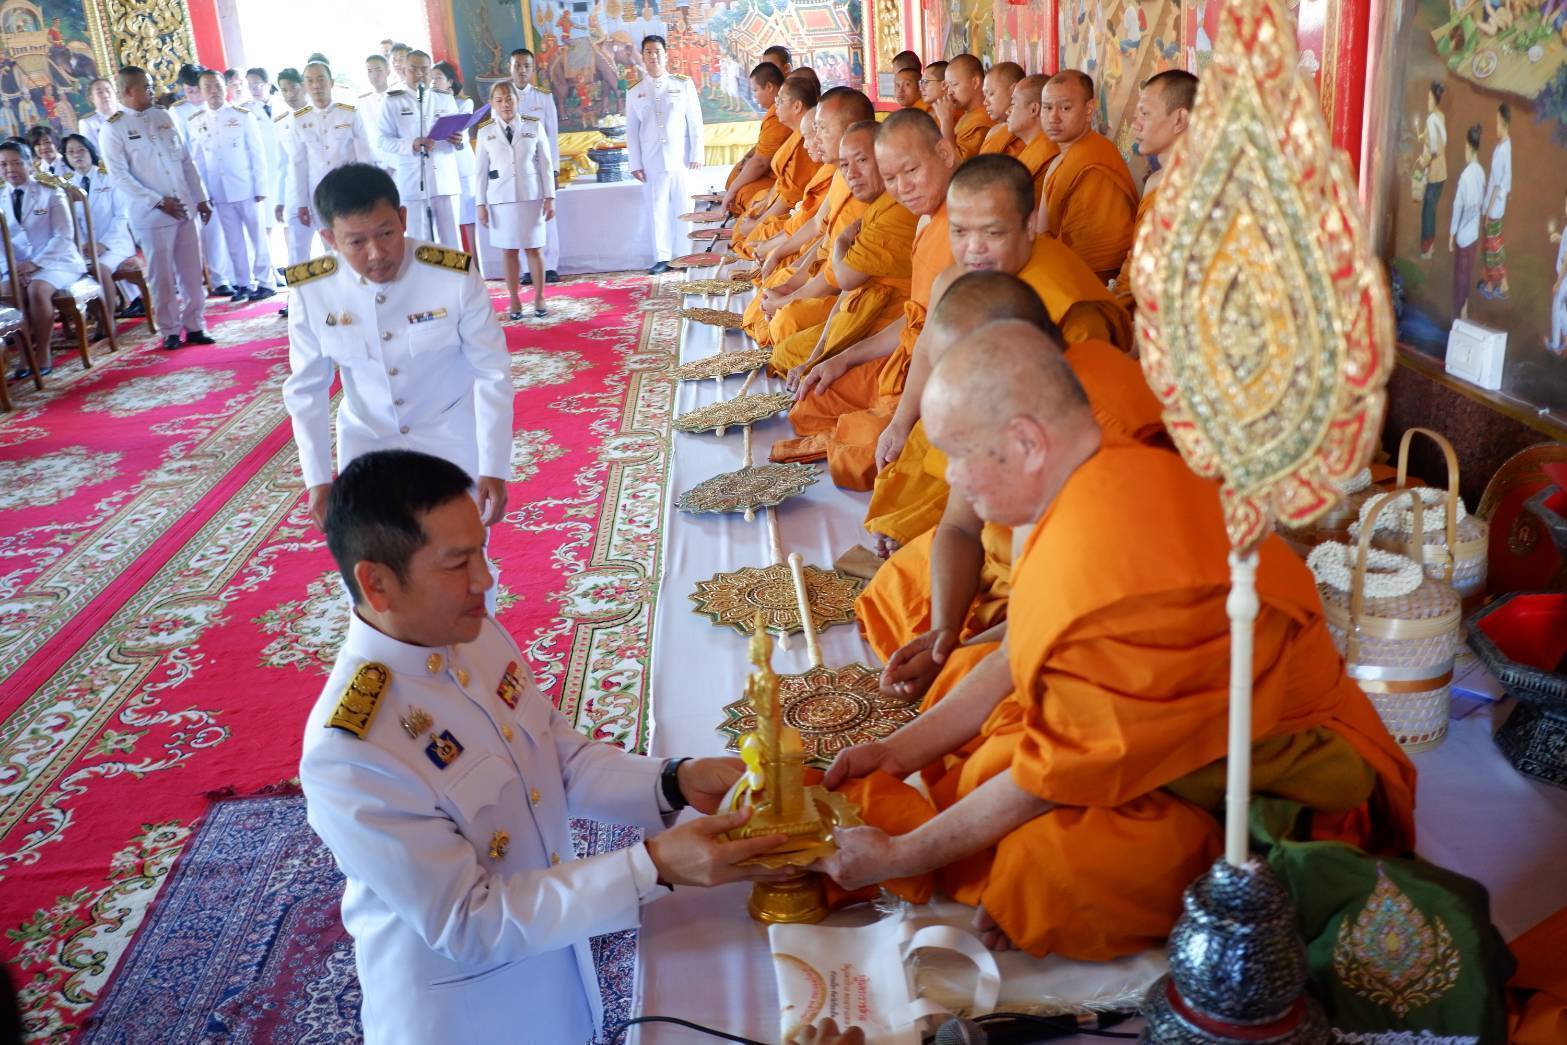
(870, 265)
(768, 233)
(778, 54)
(933, 83)
(751, 176)
(1089, 200)
(1164, 111)
(961, 111)
(907, 60)
(997, 92)
(1092, 795)
(865, 379)
(906, 90)
(988, 204)
(790, 168)
(1023, 120)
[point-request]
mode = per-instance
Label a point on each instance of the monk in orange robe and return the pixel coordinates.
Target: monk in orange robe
(791, 166)
(906, 90)
(1092, 798)
(938, 605)
(933, 87)
(997, 94)
(988, 206)
(869, 264)
(1164, 110)
(1023, 120)
(1090, 200)
(961, 111)
(906, 60)
(774, 231)
(916, 164)
(752, 175)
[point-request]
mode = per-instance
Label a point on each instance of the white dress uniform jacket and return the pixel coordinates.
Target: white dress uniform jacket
(49, 236)
(91, 126)
(229, 154)
(401, 122)
(423, 361)
(449, 818)
(324, 140)
(515, 171)
(146, 154)
(663, 136)
(110, 223)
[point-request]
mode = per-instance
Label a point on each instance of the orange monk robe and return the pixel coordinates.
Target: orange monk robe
(791, 170)
(883, 250)
(1091, 203)
(812, 312)
(1120, 668)
(1036, 156)
(769, 139)
(971, 130)
(756, 321)
(810, 198)
(1000, 139)
(1537, 993)
(922, 105)
(1123, 282)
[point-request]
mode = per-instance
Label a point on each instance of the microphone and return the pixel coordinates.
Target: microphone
(424, 151)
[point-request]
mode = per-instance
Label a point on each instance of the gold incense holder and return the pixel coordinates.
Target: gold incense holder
(780, 801)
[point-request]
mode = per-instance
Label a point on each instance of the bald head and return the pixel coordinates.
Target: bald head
(965, 78)
(1066, 110)
(979, 298)
(857, 161)
(800, 90)
(838, 110)
(1164, 111)
(1076, 79)
(915, 161)
(1177, 88)
(1023, 112)
(989, 201)
(997, 91)
(808, 135)
(906, 60)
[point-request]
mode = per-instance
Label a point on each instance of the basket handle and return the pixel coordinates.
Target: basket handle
(1357, 584)
(1452, 489)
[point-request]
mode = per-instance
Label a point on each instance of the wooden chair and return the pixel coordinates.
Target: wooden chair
(131, 271)
(72, 302)
(13, 321)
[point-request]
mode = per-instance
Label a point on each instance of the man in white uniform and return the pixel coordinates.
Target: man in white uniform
(296, 234)
(101, 93)
(443, 782)
(147, 156)
(214, 252)
(539, 103)
(378, 71)
(426, 172)
(411, 330)
(663, 141)
(226, 140)
(325, 135)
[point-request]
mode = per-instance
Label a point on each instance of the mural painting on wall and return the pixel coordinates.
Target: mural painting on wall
(1120, 43)
(589, 50)
(1480, 205)
(46, 61)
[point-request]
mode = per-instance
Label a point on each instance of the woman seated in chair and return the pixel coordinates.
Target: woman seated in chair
(111, 223)
(46, 256)
(45, 143)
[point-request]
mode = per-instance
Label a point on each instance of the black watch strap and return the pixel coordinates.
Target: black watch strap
(669, 780)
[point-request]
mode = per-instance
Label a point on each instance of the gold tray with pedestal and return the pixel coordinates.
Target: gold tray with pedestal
(832, 708)
(774, 788)
(737, 599)
(734, 413)
(749, 488)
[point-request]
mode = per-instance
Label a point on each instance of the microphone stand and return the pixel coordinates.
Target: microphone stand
(424, 155)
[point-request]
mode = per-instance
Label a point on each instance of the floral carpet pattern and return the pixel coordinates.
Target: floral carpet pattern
(168, 614)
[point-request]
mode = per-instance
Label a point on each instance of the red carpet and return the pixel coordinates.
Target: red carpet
(168, 614)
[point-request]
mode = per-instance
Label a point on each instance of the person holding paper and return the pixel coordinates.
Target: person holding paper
(425, 166)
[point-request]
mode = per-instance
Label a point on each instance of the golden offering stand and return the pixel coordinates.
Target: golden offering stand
(781, 802)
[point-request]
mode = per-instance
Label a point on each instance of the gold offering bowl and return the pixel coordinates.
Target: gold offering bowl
(800, 897)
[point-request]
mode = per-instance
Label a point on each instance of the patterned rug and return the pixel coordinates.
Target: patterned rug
(168, 613)
(245, 943)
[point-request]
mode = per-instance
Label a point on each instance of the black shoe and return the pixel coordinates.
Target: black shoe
(221, 291)
(240, 295)
(262, 293)
(551, 276)
(199, 337)
(135, 310)
(283, 312)
(527, 279)
(659, 269)
(172, 342)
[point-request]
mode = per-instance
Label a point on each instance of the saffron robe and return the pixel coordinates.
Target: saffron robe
(1123, 281)
(1091, 203)
(806, 313)
(971, 130)
(1036, 156)
(757, 323)
(791, 171)
(810, 198)
(1000, 139)
(769, 139)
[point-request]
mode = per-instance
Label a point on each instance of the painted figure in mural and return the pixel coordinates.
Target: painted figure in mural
(1463, 237)
(1433, 162)
(1493, 281)
(1556, 343)
(663, 141)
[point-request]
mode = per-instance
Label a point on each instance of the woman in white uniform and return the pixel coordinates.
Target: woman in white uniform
(46, 150)
(111, 223)
(445, 79)
(516, 191)
(43, 239)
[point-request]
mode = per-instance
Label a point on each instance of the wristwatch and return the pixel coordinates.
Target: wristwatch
(669, 780)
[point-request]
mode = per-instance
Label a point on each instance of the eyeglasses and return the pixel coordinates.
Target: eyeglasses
(926, 79)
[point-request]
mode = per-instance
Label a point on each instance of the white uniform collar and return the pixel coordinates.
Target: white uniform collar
(364, 640)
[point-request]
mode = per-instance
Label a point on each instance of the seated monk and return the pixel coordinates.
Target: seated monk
(753, 176)
(988, 205)
(906, 60)
(870, 265)
(1093, 796)
(933, 86)
(1089, 201)
(779, 55)
(916, 164)
(806, 297)
(791, 166)
(961, 111)
(997, 95)
(1164, 111)
(906, 90)
(939, 604)
(772, 232)
(1023, 121)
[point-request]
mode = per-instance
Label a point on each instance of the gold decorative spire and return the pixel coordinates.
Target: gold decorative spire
(1263, 319)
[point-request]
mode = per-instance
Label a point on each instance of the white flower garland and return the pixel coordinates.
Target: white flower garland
(1401, 519)
(1388, 574)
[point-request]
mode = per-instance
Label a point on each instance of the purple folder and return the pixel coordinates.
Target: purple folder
(457, 123)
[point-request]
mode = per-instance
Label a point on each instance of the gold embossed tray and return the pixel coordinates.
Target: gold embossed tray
(703, 216)
(714, 317)
(734, 599)
(713, 286)
(723, 364)
(712, 233)
(832, 708)
(748, 489)
(704, 259)
(734, 413)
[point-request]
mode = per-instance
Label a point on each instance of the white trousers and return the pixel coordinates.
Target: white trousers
(664, 200)
(298, 237)
(173, 256)
(219, 265)
(445, 212)
(241, 226)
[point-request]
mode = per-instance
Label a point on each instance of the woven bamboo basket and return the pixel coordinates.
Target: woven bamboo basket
(1456, 543)
(1399, 647)
(1333, 525)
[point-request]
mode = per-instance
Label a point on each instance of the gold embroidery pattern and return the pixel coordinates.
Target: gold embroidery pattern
(1392, 955)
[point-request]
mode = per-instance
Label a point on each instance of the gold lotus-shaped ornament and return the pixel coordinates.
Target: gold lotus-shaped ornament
(734, 413)
(1264, 322)
(714, 317)
(722, 365)
(712, 287)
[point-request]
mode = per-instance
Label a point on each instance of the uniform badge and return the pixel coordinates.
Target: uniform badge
(416, 722)
(443, 749)
(500, 841)
(427, 317)
(511, 686)
(357, 707)
(444, 257)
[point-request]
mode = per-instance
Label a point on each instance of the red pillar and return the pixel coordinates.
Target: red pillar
(443, 30)
(209, 38)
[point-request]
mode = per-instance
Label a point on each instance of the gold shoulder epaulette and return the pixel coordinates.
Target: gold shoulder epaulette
(543, 88)
(484, 123)
(399, 90)
(680, 76)
(243, 108)
(530, 119)
(357, 707)
(103, 168)
(305, 271)
(301, 112)
(117, 115)
(280, 117)
(367, 94)
(345, 105)
(444, 257)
